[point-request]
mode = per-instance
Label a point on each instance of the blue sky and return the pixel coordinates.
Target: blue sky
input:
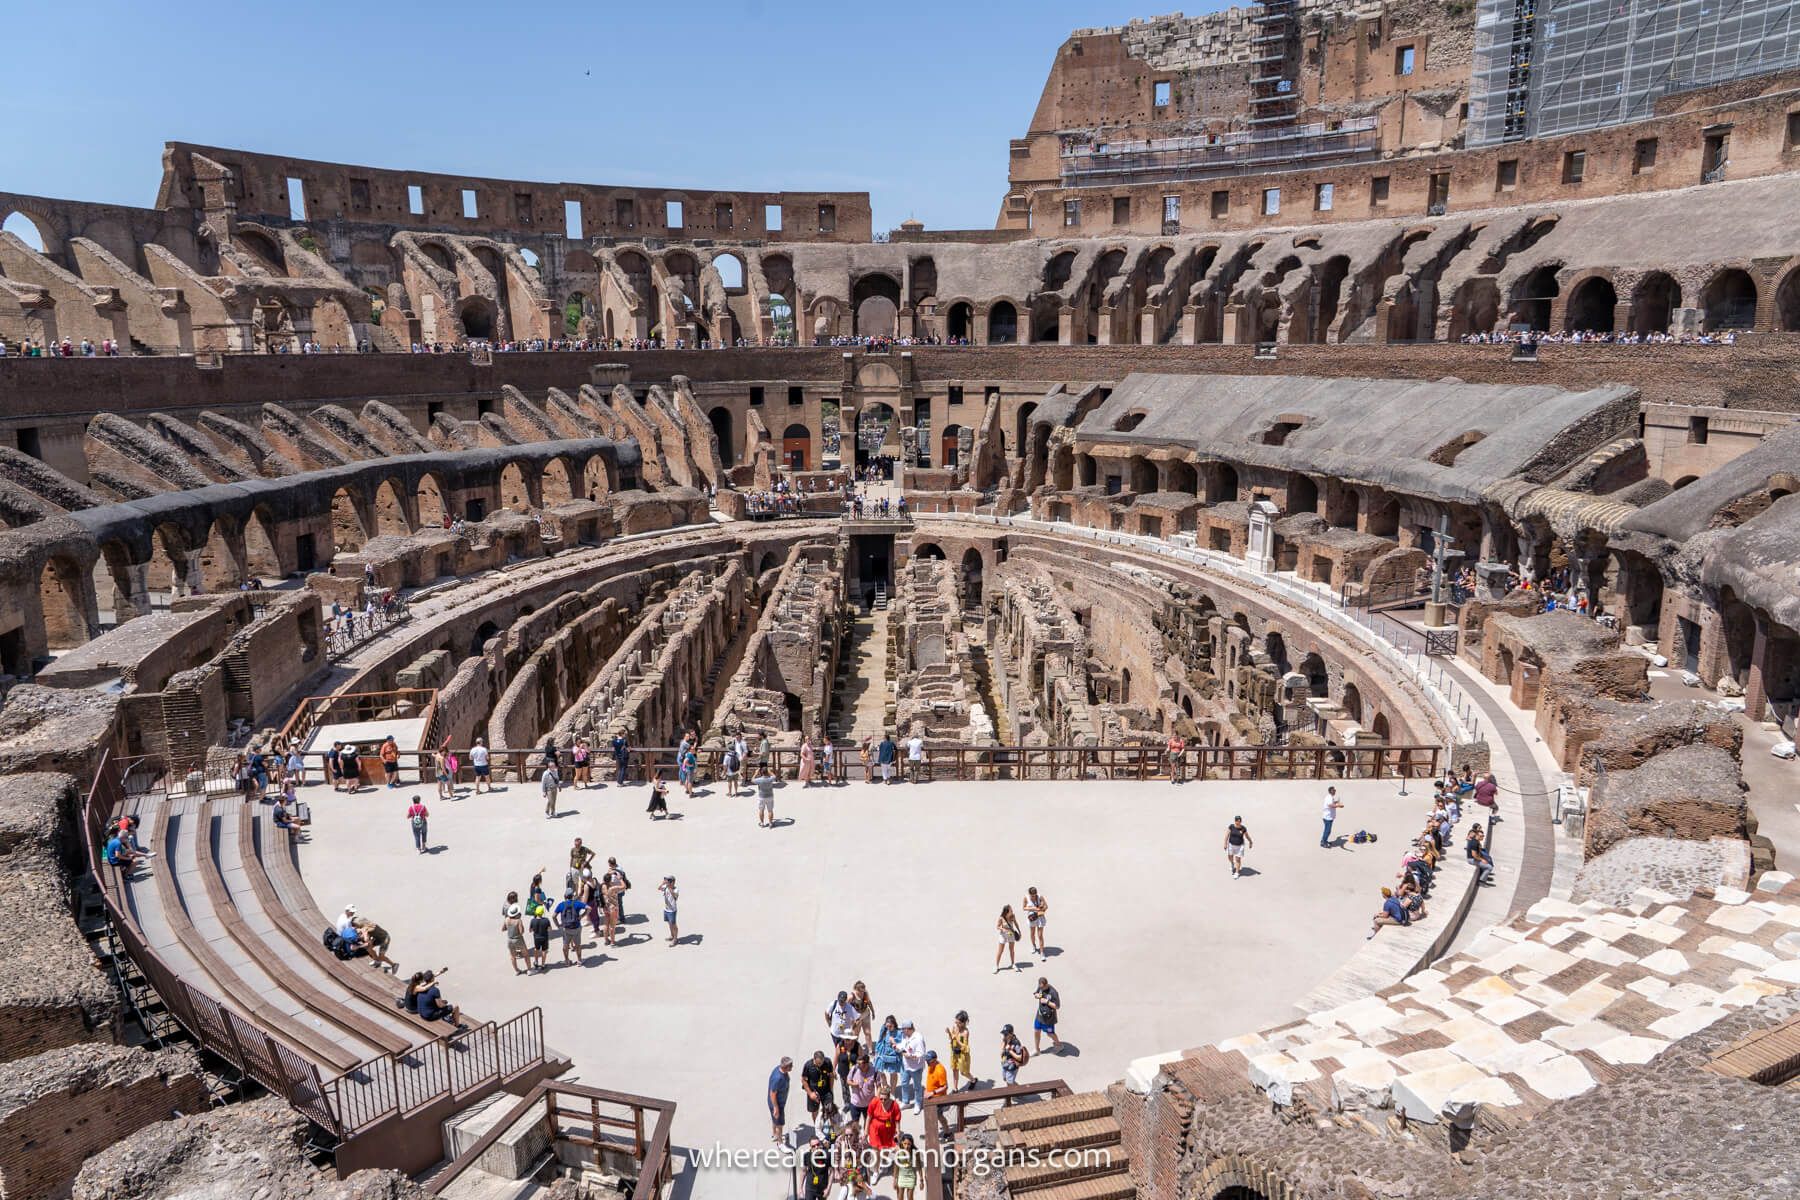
(911, 102)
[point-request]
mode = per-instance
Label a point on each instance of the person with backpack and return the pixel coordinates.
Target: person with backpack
(417, 816)
(733, 766)
(621, 750)
(1013, 1055)
(1049, 1005)
(568, 923)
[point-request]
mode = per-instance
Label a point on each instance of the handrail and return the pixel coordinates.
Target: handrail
(940, 1168)
(452, 1066)
(954, 762)
(655, 1165)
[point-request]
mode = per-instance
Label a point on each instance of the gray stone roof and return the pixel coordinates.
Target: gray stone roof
(1378, 431)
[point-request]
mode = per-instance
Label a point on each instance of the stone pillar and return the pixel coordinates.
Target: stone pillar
(1492, 580)
(1104, 335)
(1065, 326)
(1756, 689)
(1261, 554)
(1190, 325)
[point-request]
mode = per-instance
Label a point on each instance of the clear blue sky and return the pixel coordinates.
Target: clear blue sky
(912, 102)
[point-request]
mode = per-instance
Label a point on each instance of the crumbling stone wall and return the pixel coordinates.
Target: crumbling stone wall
(1693, 792)
(52, 993)
(60, 1107)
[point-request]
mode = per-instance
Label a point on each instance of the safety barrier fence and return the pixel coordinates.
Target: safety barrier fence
(936, 763)
(458, 1065)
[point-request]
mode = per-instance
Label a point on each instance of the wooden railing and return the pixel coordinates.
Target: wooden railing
(347, 707)
(578, 1115)
(1007, 762)
(950, 1113)
(457, 1065)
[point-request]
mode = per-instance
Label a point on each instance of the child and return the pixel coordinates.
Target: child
(906, 1168)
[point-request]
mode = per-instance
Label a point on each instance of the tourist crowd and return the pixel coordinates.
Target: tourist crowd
(1404, 902)
(1503, 337)
(105, 348)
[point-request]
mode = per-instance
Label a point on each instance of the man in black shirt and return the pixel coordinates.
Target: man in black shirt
(816, 1081)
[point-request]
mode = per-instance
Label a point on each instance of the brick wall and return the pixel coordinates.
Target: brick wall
(58, 1109)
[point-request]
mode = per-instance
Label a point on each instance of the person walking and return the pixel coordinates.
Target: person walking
(865, 1010)
(1237, 840)
(1332, 805)
(1037, 911)
(669, 898)
(907, 1160)
(886, 1052)
(416, 816)
(765, 797)
(1008, 928)
(884, 1127)
(478, 761)
(860, 1085)
(621, 751)
(778, 1097)
(827, 762)
(912, 1067)
(550, 781)
(961, 1065)
(513, 925)
(1049, 1006)
(816, 1082)
(1013, 1055)
(568, 924)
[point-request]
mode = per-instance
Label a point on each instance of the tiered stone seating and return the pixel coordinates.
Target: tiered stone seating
(224, 907)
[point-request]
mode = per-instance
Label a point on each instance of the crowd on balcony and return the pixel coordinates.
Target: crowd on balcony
(1538, 337)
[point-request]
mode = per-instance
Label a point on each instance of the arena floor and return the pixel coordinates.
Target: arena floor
(1152, 944)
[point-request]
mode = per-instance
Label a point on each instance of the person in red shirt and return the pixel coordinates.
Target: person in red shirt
(884, 1126)
(416, 816)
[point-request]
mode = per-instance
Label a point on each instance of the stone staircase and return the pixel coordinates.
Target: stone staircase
(1066, 1148)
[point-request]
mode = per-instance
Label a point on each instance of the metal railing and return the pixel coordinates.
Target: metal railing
(454, 1066)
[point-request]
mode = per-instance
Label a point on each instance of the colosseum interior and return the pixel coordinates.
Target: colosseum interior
(1334, 402)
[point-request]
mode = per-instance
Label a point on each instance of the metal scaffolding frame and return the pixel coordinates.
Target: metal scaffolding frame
(1547, 67)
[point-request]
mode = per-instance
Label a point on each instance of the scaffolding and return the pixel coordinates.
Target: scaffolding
(1548, 67)
(1275, 56)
